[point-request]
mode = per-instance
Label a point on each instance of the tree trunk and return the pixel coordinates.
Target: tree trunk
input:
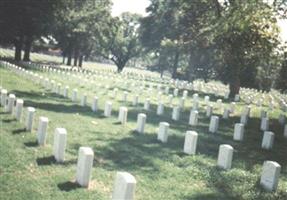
(27, 48)
(190, 68)
(76, 56)
(80, 60)
(175, 64)
(234, 83)
(120, 66)
(64, 56)
(18, 48)
(69, 60)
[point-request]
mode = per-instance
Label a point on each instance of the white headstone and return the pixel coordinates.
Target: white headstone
(270, 175)
(206, 99)
(135, 100)
(11, 101)
(175, 92)
(160, 109)
(60, 139)
(195, 105)
(30, 118)
(193, 118)
(263, 113)
(123, 114)
(268, 139)
(141, 120)
(42, 130)
(58, 91)
(243, 119)
(247, 110)
(181, 102)
(237, 97)
(214, 122)
(124, 187)
(232, 107)
(219, 104)
(225, 155)
(3, 97)
(264, 126)
(170, 98)
(19, 108)
(84, 100)
(190, 142)
(108, 109)
(166, 91)
(163, 132)
(95, 104)
(66, 91)
(125, 96)
(147, 104)
(185, 94)
(84, 166)
(225, 113)
(74, 96)
(238, 132)
(175, 113)
(209, 110)
(195, 97)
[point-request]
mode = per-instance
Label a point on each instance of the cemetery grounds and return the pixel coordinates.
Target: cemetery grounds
(162, 171)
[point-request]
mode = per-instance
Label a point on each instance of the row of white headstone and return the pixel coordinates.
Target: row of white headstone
(163, 126)
(193, 120)
(249, 95)
(268, 137)
(160, 109)
(124, 187)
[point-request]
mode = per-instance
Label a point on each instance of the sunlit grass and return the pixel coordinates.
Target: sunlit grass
(162, 170)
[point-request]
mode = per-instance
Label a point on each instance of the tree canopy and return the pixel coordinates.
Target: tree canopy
(234, 41)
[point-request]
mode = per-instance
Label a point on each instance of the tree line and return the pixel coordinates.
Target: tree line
(234, 41)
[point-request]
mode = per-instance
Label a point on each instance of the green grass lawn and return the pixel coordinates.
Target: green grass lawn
(162, 171)
(48, 59)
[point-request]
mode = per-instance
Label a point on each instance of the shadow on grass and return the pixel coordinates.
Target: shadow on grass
(46, 160)
(50, 160)
(31, 144)
(137, 151)
(8, 120)
(18, 131)
(68, 186)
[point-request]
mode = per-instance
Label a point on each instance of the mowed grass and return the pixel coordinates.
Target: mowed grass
(162, 171)
(48, 59)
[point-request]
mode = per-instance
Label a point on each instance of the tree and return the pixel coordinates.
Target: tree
(119, 42)
(282, 79)
(24, 21)
(186, 24)
(246, 37)
(78, 25)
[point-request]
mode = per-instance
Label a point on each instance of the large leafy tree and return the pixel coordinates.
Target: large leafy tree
(232, 40)
(77, 26)
(246, 37)
(179, 31)
(23, 21)
(119, 42)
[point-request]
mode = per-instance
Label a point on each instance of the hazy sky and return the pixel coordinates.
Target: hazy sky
(134, 6)
(139, 6)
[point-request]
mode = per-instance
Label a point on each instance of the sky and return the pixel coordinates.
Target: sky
(139, 6)
(133, 6)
